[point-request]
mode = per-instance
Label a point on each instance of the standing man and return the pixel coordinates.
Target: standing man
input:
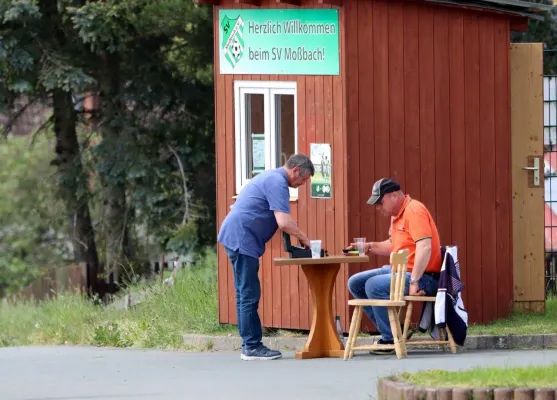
(262, 206)
(412, 228)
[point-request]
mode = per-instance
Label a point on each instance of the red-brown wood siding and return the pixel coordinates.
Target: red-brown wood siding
(428, 104)
(423, 96)
(285, 298)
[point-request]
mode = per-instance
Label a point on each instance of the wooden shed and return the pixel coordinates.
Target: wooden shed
(419, 90)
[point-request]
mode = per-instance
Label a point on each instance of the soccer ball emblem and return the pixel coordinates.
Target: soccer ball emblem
(236, 48)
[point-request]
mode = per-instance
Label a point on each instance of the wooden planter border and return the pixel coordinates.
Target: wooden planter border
(389, 389)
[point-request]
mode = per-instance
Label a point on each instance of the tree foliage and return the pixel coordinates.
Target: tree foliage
(32, 229)
(148, 149)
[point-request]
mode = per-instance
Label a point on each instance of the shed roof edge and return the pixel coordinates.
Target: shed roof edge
(516, 7)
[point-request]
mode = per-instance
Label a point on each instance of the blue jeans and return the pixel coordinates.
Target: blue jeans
(376, 284)
(248, 293)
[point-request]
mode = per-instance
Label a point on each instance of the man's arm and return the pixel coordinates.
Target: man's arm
(419, 227)
(277, 194)
(287, 224)
(381, 248)
(423, 254)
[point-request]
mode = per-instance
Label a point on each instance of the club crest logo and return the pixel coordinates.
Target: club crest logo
(232, 39)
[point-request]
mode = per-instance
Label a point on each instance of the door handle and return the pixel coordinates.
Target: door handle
(536, 169)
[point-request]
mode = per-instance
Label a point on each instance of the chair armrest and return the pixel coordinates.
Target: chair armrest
(419, 298)
(379, 303)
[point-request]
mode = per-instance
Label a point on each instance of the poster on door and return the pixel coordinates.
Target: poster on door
(258, 146)
(321, 186)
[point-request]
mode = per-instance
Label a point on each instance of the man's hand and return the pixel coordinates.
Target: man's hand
(415, 290)
(380, 248)
(305, 242)
(353, 246)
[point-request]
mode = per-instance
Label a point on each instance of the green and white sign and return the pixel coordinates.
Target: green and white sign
(321, 181)
(279, 41)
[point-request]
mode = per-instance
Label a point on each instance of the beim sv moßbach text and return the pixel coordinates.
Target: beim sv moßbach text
(287, 54)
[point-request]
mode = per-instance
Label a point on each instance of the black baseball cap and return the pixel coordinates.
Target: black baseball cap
(381, 188)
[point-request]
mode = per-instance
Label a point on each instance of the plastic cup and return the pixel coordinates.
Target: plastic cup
(360, 242)
(315, 248)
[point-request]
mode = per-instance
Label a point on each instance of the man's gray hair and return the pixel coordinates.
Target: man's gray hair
(302, 161)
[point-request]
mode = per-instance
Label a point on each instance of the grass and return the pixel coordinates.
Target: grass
(159, 321)
(531, 376)
(522, 323)
(167, 312)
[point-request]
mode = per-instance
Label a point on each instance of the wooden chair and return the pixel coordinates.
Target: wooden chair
(399, 262)
(449, 342)
(445, 340)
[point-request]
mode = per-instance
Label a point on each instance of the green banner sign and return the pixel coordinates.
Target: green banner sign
(276, 41)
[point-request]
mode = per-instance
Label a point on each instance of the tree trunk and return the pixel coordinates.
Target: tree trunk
(71, 181)
(116, 212)
(115, 228)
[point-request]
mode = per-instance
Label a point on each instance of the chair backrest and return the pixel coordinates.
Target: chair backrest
(399, 264)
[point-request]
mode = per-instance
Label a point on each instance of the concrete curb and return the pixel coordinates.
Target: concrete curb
(391, 389)
(484, 342)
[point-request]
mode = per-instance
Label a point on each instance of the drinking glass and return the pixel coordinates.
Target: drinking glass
(315, 248)
(360, 242)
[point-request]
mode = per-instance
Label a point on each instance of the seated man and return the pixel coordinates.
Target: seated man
(412, 228)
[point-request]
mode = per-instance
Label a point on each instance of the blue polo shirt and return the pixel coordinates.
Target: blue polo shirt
(251, 223)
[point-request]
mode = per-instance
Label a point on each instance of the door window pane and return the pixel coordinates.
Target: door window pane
(285, 128)
(255, 134)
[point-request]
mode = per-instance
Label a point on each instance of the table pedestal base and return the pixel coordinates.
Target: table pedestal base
(304, 355)
(323, 340)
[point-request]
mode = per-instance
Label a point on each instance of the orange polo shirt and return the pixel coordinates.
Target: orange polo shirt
(412, 224)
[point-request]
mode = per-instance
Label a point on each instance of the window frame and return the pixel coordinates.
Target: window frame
(269, 89)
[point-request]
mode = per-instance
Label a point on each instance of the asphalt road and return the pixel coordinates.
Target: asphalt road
(76, 373)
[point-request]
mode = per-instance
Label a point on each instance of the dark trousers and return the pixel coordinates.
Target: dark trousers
(248, 293)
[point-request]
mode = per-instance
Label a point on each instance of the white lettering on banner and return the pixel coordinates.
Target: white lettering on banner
(306, 55)
(258, 55)
(268, 28)
(301, 28)
(291, 27)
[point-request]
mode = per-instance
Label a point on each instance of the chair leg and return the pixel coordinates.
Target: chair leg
(359, 311)
(397, 312)
(452, 343)
(442, 334)
(407, 319)
(444, 338)
(351, 334)
(395, 329)
(402, 340)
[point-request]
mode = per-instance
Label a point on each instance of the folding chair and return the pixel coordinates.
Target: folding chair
(447, 340)
(399, 262)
